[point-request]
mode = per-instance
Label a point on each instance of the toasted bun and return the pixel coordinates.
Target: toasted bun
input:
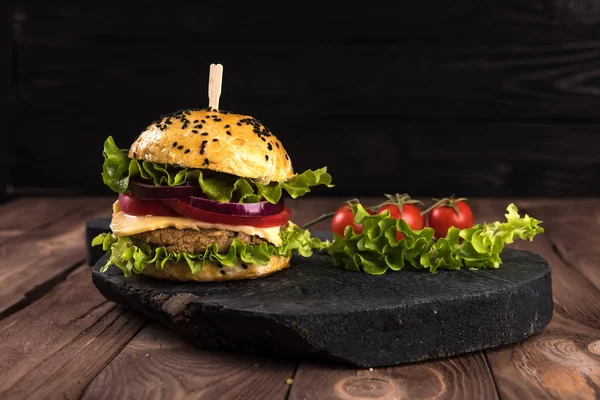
(180, 271)
(217, 140)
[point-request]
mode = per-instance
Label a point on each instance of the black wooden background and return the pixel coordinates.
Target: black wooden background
(491, 98)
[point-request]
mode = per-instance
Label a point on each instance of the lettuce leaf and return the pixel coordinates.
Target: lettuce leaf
(132, 256)
(376, 249)
(118, 169)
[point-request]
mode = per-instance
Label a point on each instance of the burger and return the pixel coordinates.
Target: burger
(201, 197)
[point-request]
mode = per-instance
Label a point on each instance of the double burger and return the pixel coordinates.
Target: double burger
(201, 197)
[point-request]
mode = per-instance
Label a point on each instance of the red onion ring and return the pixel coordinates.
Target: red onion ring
(260, 209)
(145, 191)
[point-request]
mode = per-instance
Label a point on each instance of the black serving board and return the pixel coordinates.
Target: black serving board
(314, 310)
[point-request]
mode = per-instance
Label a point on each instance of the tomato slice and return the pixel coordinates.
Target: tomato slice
(132, 206)
(182, 207)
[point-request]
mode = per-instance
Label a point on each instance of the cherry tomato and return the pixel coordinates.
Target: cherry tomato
(443, 216)
(344, 217)
(181, 206)
(132, 206)
(411, 214)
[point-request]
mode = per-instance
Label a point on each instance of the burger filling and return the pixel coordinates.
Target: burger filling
(133, 253)
(194, 241)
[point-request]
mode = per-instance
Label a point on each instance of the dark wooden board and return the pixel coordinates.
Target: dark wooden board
(371, 156)
(315, 311)
(529, 60)
(456, 83)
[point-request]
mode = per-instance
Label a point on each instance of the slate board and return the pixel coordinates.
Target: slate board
(313, 310)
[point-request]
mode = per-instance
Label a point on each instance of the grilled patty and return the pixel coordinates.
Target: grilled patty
(194, 241)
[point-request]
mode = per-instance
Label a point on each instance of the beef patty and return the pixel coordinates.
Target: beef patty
(194, 241)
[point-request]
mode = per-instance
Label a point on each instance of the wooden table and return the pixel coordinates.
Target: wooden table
(61, 339)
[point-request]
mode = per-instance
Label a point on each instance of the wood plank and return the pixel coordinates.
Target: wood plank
(6, 95)
(536, 60)
(26, 214)
(574, 228)
(155, 364)
(56, 346)
(459, 377)
(529, 63)
(362, 167)
(563, 361)
(33, 262)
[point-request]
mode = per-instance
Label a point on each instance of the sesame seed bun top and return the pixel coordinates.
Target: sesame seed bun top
(217, 140)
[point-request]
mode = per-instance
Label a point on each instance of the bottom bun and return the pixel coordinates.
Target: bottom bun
(211, 272)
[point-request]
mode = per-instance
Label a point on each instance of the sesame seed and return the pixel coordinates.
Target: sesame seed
(263, 139)
(206, 161)
(195, 131)
(222, 272)
(204, 133)
(227, 126)
(174, 144)
(269, 146)
(277, 144)
(229, 133)
(245, 266)
(195, 120)
(180, 147)
(203, 121)
(266, 157)
(286, 157)
(187, 151)
(215, 140)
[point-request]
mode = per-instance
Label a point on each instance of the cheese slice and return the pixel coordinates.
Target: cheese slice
(126, 225)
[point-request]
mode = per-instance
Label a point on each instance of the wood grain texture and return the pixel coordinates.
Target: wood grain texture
(449, 80)
(573, 230)
(529, 60)
(56, 346)
(6, 78)
(460, 377)
(563, 361)
(157, 365)
(40, 248)
(24, 215)
(372, 157)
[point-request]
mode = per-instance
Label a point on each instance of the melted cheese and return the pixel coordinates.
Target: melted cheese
(126, 225)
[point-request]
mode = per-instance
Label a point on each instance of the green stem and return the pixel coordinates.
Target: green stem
(318, 219)
(447, 202)
(397, 199)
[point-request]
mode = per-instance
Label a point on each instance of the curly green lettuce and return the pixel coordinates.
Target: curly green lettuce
(132, 256)
(376, 249)
(118, 169)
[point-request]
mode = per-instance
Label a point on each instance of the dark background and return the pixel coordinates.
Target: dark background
(476, 98)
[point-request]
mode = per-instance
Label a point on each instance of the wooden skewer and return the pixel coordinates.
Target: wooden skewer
(214, 85)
